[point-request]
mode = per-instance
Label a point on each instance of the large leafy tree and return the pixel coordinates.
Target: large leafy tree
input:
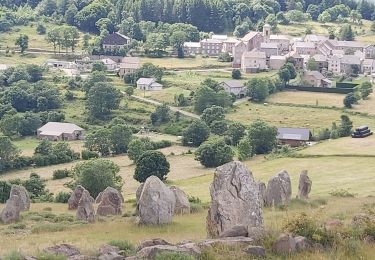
(211, 114)
(151, 163)
(195, 134)
(23, 42)
(213, 153)
(262, 137)
(8, 153)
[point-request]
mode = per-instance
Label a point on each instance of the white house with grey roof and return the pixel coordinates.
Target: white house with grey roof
(57, 131)
(254, 61)
(234, 87)
(148, 84)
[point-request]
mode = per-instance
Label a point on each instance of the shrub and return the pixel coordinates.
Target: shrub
(214, 153)
(343, 193)
(137, 147)
(125, 246)
(236, 74)
(4, 191)
(61, 174)
(62, 197)
(162, 144)
(151, 163)
(87, 155)
(173, 256)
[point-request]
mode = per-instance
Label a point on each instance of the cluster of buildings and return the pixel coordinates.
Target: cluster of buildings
(262, 51)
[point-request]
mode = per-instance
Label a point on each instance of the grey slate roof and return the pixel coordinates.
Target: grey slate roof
(145, 81)
(233, 83)
(58, 128)
(301, 134)
(115, 39)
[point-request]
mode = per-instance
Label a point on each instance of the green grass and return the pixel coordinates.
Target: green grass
(28, 58)
(186, 63)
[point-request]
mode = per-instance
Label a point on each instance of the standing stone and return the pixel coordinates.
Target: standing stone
(110, 202)
(285, 245)
(304, 186)
(235, 200)
(21, 192)
(279, 190)
(156, 203)
(85, 210)
(139, 191)
(262, 192)
(76, 197)
(11, 212)
(182, 205)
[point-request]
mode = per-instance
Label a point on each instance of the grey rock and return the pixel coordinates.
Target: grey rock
(107, 252)
(226, 241)
(63, 249)
(152, 242)
(156, 203)
(256, 233)
(285, 245)
(279, 190)
(12, 210)
(235, 200)
(235, 231)
(262, 191)
(76, 197)
(362, 219)
(139, 191)
(302, 243)
(256, 251)
(182, 205)
(85, 210)
(152, 251)
(304, 185)
(110, 202)
(23, 194)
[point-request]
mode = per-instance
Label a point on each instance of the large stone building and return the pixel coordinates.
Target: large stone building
(56, 131)
(115, 41)
(254, 61)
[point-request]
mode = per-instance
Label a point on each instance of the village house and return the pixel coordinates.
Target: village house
(234, 87)
(276, 62)
(128, 66)
(239, 49)
(305, 48)
(110, 64)
(115, 41)
(219, 37)
(297, 58)
(315, 79)
(282, 41)
(253, 61)
(211, 47)
(57, 131)
(368, 66)
(229, 44)
(270, 48)
(315, 38)
(293, 137)
(61, 64)
(148, 84)
(252, 40)
(321, 60)
(192, 48)
(370, 51)
(344, 64)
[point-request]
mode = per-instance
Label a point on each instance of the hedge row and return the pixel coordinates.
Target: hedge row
(324, 90)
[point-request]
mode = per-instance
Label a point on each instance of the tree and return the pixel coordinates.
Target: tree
(236, 74)
(245, 150)
(151, 163)
(54, 37)
(287, 72)
(120, 138)
(96, 175)
(257, 89)
(161, 115)
(205, 97)
(214, 153)
(366, 89)
(195, 134)
(349, 100)
(8, 153)
(23, 42)
(102, 98)
(219, 127)
(137, 147)
(262, 137)
(41, 29)
(235, 132)
(213, 113)
(99, 141)
(314, 11)
(346, 33)
(44, 148)
(98, 66)
(346, 126)
(312, 65)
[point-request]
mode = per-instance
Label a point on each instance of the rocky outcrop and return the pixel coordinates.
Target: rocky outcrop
(304, 185)
(302, 243)
(139, 191)
(262, 192)
(110, 202)
(236, 231)
(12, 210)
(285, 245)
(235, 200)
(23, 194)
(156, 203)
(182, 205)
(153, 242)
(85, 210)
(279, 190)
(152, 251)
(76, 197)
(63, 249)
(107, 252)
(256, 251)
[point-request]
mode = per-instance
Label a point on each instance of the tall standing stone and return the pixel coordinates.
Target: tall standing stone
(235, 200)
(279, 190)
(304, 185)
(75, 197)
(85, 210)
(23, 194)
(110, 202)
(156, 203)
(182, 201)
(262, 192)
(12, 210)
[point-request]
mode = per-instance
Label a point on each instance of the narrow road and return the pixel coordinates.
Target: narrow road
(175, 109)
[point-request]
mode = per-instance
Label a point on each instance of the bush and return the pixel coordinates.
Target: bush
(62, 197)
(137, 147)
(162, 144)
(125, 246)
(87, 155)
(236, 74)
(151, 163)
(214, 153)
(173, 256)
(343, 193)
(61, 174)
(4, 191)
(195, 134)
